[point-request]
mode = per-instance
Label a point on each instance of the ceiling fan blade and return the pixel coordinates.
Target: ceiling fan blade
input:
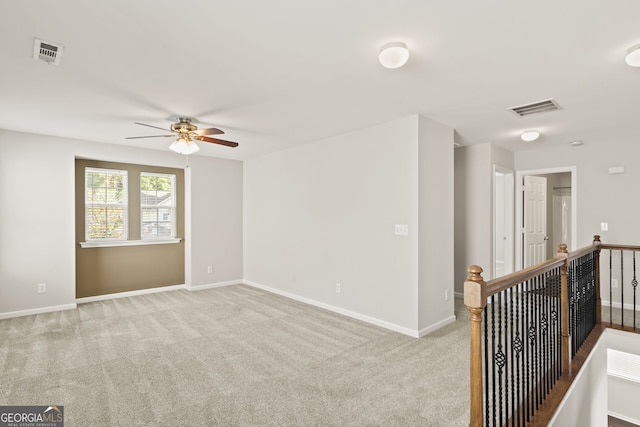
(151, 136)
(216, 141)
(155, 127)
(210, 131)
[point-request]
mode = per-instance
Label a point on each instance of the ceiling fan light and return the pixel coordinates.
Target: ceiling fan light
(530, 135)
(633, 56)
(393, 55)
(184, 146)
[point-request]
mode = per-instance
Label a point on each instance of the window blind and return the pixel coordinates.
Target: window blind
(106, 204)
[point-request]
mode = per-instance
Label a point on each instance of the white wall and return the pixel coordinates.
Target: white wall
(623, 399)
(474, 207)
(586, 402)
(624, 392)
(436, 211)
(473, 174)
(601, 197)
(216, 220)
(324, 213)
(37, 215)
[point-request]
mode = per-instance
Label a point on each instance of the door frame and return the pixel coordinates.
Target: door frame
(519, 208)
(509, 220)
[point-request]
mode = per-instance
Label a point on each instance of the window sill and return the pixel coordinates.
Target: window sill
(112, 243)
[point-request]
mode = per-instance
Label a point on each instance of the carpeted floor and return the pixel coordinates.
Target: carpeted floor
(232, 356)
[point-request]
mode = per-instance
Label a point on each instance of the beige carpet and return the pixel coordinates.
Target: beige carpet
(232, 356)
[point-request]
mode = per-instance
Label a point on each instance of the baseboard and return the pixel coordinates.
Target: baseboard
(368, 319)
(129, 293)
(10, 314)
(441, 324)
(616, 304)
(624, 418)
(214, 285)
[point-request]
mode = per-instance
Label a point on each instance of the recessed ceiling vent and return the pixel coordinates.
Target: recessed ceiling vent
(535, 108)
(48, 52)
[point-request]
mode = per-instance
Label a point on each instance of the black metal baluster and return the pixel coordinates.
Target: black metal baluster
(506, 342)
(527, 352)
(622, 289)
(493, 356)
(546, 347)
(559, 327)
(536, 357)
(517, 344)
(634, 283)
(540, 341)
(500, 359)
(554, 318)
(513, 360)
(570, 302)
(580, 306)
(610, 287)
(512, 380)
(594, 296)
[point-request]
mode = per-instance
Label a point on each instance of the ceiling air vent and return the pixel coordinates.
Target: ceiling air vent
(535, 107)
(48, 52)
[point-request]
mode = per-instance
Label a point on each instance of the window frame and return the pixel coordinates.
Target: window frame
(91, 203)
(173, 207)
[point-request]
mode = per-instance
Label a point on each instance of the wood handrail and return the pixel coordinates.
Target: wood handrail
(505, 282)
(476, 292)
(583, 251)
(621, 247)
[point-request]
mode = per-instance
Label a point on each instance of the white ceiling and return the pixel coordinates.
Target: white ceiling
(274, 74)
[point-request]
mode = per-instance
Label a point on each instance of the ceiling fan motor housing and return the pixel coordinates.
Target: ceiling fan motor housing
(184, 125)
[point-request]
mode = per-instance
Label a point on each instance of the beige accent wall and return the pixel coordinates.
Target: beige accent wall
(108, 270)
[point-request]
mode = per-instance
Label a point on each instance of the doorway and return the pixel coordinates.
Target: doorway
(559, 222)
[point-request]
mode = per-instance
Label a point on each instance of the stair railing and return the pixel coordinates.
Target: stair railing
(526, 328)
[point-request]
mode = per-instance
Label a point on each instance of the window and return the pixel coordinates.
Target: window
(157, 205)
(105, 204)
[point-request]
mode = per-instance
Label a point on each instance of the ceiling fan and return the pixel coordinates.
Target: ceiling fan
(186, 133)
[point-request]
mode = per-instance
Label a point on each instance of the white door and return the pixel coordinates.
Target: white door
(535, 220)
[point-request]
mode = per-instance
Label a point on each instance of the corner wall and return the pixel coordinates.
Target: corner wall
(436, 234)
(474, 207)
(37, 187)
(325, 213)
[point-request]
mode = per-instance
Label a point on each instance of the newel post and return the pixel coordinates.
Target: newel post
(598, 243)
(475, 298)
(564, 307)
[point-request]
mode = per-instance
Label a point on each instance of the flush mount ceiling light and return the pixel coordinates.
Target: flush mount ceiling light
(530, 135)
(633, 56)
(576, 143)
(393, 55)
(184, 145)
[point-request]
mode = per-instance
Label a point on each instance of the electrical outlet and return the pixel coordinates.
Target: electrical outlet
(210, 269)
(446, 295)
(42, 288)
(402, 229)
(338, 288)
(614, 283)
